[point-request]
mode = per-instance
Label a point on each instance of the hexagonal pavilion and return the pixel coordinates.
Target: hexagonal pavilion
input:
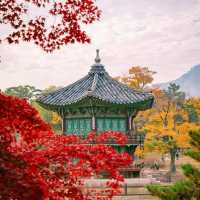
(98, 102)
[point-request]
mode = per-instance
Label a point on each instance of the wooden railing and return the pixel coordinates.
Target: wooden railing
(132, 139)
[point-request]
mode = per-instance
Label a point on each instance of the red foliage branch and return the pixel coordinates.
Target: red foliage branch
(36, 163)
(71, 14)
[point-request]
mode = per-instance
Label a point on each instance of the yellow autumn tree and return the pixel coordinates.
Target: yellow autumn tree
(49, 116)
(168, 125)
(138, 77)
(139, 152)
(52, 118)
(55, 118)
(195, 102)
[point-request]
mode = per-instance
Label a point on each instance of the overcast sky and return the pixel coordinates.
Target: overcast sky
(162, 35)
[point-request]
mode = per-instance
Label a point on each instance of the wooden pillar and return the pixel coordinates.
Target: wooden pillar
(93, 123)
(63, 125)
(130, 122)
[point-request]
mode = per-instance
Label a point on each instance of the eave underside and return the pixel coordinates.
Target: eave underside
(96, 105)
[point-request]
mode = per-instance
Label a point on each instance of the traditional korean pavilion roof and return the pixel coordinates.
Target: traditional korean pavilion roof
(99, 85)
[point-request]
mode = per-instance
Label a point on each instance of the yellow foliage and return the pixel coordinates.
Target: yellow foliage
(55, 118)
(166, 122)
(178, 132)
(138, 77)
(139, 152)
(195, 102)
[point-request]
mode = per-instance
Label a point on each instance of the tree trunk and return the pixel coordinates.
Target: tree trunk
(173, 158)
(163, 158)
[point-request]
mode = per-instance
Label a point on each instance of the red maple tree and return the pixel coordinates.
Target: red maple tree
(71, 14)
(36, 163)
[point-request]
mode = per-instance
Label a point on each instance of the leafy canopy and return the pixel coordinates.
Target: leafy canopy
(36, 163)
(167, 124)
(138, 77)
(27, 92)
(67, 27)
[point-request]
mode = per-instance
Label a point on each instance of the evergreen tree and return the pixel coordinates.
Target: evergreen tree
(25, 92)
(188, 189)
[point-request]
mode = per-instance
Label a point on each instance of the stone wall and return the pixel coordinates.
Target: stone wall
(135, 193)
(132, 189)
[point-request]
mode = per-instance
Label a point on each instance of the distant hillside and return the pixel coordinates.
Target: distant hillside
(189, 82)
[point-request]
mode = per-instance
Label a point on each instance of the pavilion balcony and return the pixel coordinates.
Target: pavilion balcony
(131, 140)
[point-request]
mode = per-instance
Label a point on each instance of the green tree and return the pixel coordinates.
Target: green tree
(28, 92)
(175, 95)
(192, 107)
(188, 189)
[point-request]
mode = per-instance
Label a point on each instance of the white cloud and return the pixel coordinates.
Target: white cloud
(163, 35)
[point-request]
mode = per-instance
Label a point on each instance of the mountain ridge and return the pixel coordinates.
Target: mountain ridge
(189, 82)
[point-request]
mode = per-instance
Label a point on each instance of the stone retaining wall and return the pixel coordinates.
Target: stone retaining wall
(135, 193)
(132, 189)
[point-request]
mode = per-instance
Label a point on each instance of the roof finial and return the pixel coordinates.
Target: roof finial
(97, 59)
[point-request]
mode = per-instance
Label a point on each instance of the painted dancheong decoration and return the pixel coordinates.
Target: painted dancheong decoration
(97, 102)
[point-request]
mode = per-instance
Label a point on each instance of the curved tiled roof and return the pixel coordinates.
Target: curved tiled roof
(98, 84)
